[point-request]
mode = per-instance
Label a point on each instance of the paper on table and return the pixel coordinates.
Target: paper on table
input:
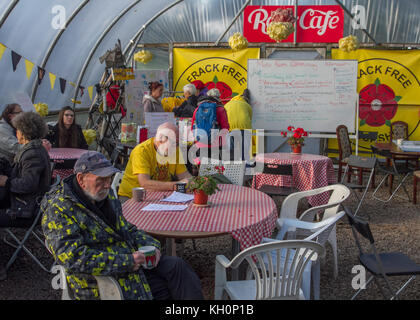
(164, 207)
(179, 197)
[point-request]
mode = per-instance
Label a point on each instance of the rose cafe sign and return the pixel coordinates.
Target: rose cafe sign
(314, 24)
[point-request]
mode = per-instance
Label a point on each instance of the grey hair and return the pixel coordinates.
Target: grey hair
(190, 88)
(31, 125)
(214, 93)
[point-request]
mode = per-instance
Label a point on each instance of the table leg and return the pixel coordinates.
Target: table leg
(170, 247)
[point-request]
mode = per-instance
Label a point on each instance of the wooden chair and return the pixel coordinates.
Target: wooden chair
(344, 153)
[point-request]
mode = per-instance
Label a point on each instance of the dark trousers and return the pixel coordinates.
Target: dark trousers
(174, 279)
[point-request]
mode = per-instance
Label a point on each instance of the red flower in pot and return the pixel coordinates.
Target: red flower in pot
(377, 104)
(296, 139)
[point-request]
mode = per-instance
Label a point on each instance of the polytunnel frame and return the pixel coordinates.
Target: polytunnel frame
(134, 42)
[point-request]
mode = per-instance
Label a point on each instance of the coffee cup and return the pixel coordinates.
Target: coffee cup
(139, 194)
(149, 255)
(181, 187)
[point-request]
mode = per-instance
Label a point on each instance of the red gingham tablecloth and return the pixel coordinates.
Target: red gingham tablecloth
(247, 214)
(57, 154)
(309, 172)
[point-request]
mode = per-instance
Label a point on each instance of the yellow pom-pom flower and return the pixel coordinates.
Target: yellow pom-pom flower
(41, 108)
(238, 42)
(348, 44)
(280, 30)
(90, 136)
(143, 56)
(169, 103)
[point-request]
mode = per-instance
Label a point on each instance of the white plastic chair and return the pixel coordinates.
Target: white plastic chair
(234, 170)
(339, 193)
(116, 182)
(108, 287)
(320, 232)
(282, 282)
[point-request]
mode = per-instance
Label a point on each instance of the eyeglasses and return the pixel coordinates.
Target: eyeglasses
(18, 112)
(69, 115)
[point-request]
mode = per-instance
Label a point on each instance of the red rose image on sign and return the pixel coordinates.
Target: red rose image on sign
(225, 90)
(377, 104)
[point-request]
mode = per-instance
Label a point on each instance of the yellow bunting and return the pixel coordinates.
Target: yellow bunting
(52, 80)
(2, 49)
(90, 90)
(29, 67)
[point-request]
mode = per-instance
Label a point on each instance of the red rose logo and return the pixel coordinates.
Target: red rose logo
(377, 104)
(225, 90)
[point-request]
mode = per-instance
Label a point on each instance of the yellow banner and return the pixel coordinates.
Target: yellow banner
(388, 83)
(216, 68)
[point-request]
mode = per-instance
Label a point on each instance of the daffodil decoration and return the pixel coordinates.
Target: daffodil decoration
(41, 108)
(348, 44)
(76, 101)
(169, 103)
(90, 136)
(238, 42)
(143, 56)
(281, 25)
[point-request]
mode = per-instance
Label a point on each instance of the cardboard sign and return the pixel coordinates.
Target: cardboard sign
(122, 74)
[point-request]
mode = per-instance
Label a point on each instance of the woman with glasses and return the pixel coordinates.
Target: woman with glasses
(66, 133)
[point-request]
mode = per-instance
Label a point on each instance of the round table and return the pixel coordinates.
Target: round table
(245, 213)
(64, 160)
(310, 171)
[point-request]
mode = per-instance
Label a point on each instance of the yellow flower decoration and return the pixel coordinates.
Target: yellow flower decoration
(143, 56)
(348, 44)
(280, 30)
(76, 101)
(170, 103)
(90, 136)
(41, 108)
(238, 42)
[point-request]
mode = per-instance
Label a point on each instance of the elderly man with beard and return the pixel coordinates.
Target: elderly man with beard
(87, 234)
(155, 164)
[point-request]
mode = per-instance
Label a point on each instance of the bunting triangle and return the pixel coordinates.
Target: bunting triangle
(63, 85)
(52, 80)
(15, 60)
(41, 74)
(82, 90)
(2, 50)
(29, 67)
(90, 90)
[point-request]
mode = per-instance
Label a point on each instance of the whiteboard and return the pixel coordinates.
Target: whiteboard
(316, 95)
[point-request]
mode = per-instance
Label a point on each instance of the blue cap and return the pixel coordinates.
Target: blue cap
(95, 163)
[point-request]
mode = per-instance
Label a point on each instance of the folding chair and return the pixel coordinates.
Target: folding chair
(381, 265)
(20, 244)
(400, 172)
(116, 182)
(279, 170)
(363, 164)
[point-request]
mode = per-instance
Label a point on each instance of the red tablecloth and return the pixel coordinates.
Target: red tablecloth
(309, 172)
(247, 214)
(61, 154)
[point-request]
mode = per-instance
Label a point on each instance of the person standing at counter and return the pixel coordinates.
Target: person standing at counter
(151, 102)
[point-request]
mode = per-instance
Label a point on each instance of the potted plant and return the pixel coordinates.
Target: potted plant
(202, 187)
(296, 138)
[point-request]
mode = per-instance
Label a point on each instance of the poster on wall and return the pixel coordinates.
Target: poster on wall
(388, 83)
(135, 90)
(213, 68)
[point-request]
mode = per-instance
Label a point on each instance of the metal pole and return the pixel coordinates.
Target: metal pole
(232, 22)
(296, 18)
(6, 14)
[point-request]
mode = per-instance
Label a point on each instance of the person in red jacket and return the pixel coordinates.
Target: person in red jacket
(214, 149)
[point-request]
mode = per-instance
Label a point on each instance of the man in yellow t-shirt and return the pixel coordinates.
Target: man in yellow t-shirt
(155, 164)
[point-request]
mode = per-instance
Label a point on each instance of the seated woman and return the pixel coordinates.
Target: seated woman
(67, 133)
(24, 183)
(151, 101)
(9, 145)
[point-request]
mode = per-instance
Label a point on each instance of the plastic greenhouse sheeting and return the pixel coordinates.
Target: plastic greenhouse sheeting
(29, 32)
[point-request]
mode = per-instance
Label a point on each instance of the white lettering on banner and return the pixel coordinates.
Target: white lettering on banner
(264, 22)
(59, 20)
(321, 21)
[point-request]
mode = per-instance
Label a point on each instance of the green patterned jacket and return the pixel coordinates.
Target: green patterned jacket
(86, 246)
